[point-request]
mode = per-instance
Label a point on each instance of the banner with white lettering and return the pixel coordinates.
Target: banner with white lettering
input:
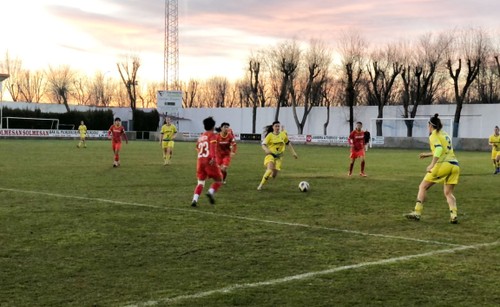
(92, 134)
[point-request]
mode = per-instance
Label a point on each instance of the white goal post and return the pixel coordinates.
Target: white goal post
(396, 127)
(54, 122)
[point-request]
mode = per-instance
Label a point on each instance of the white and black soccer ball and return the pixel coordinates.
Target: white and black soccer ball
(304, 186)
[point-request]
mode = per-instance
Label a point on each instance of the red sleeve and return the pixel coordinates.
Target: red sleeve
(213, 147)
(124, 134)
(234, 146)
(351, 138)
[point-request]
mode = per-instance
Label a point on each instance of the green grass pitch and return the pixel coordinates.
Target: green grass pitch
(74, 231)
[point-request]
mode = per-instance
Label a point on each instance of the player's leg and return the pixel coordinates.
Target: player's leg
(421, 196)
(497, 163)
(216, 175)
(450, 182)
(277, 167)
(201, 175)
(452, 202)
(351, 165)
(269, 163)
(362, 166)
(169, 152)
(223, 169)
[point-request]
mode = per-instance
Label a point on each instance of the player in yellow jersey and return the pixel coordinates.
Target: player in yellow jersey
(274, 146)
(83, 135)
(168, 134)
(443, 168)
(494, 142)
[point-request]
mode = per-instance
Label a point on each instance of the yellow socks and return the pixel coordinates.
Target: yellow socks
(266, 176)
(419, 207)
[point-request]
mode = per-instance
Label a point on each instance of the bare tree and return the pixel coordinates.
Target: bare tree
(60, 82)
(190, 93)
(216, 91)
(420, 74)
(81, 89)
(102, 90)
(31, 85)
(382, 72)
(317, 60)
(282, 62)
(351, 48)
(13, 67)
(256, 87)
(128, 72)
(470, 47)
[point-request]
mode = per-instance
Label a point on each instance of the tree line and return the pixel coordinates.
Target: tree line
(459, 66)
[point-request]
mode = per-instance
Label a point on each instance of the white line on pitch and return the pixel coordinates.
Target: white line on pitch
(117, 202)
(308, 275)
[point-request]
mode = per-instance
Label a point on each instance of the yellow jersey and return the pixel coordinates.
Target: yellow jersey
(276, 142)
(82, 129)
(168, 132)
(442, 139)
(495, 140)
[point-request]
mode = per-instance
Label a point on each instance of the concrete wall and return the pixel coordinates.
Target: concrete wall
(477, 120)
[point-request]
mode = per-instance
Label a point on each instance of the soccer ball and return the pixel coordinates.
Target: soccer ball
(304, 186)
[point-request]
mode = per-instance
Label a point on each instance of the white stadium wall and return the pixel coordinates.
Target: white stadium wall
(477, 120)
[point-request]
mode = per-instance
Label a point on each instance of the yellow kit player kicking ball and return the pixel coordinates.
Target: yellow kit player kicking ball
(83, 135)
(442, 169)
(274, 146)
(494, 142)
(168, 134)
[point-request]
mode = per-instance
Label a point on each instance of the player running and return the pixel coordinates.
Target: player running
(116, 132)
(357, 142)
(274, 145)
(83, 134)
(443, 168)
(226, 148)
(206, 166)
(168, 134)
(494, 142)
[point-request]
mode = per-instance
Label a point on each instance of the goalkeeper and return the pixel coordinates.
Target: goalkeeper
(168, 134)
(274, 146)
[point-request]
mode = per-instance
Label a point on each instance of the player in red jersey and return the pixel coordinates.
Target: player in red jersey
(226, 148)
(116, 132)
(207, 165)
(357, 143)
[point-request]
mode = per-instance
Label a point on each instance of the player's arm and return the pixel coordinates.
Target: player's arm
(124, 136)
(234, 147)
(292, 150)
(265, 147)
(212, 152)
(175, 134)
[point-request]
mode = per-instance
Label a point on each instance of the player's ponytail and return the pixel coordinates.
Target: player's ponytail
(435, 122)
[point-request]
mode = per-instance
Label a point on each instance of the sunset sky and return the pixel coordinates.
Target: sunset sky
(215, 36)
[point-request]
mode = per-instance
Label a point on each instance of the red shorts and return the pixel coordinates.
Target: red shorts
(357, 153)
(116, 146)
(204, 171)
(224, 160)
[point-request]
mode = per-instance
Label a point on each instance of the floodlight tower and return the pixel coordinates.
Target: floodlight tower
(171, 48)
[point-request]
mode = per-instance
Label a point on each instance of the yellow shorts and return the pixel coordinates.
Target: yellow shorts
(82, 136)
(167, 144)
(494, 154)
(445, 172)
(276, 161)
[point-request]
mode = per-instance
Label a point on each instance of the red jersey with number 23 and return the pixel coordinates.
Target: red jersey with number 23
(207, 153)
